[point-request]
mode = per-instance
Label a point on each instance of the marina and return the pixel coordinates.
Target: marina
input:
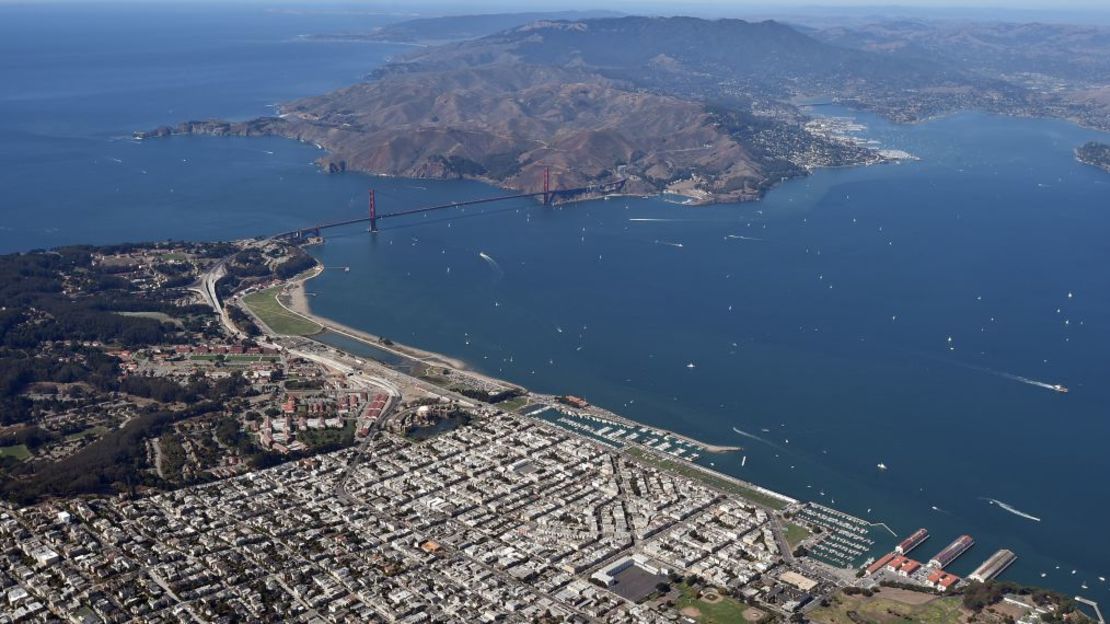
(851, 540)
(619, 434)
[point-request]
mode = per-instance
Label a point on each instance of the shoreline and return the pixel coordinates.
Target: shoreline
(299, 304)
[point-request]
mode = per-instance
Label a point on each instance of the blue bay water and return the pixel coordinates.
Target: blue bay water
(818, 319)
(78, 79)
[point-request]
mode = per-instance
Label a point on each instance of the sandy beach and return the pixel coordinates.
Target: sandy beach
(298, 303)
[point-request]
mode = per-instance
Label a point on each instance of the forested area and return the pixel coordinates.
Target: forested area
(53, 301)
(72, 319)
(61, 310)
(116, 459)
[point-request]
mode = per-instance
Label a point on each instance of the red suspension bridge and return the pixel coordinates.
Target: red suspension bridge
(548, 194)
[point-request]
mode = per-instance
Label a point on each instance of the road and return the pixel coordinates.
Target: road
(207, 289)
(157, 444)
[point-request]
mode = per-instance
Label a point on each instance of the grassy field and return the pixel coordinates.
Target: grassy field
(19, 451)
(723, 611)
(795, 534)
(513, 404)
(264, 304)
(719, 483)
(96, 431)
(883, 609)
(318, 437)
(234, 358)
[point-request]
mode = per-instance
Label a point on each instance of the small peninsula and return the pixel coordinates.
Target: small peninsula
(1095, 154)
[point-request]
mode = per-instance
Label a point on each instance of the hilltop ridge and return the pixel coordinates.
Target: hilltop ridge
(677, 104)
(591, 99)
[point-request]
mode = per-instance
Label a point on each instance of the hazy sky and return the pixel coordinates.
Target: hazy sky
(1073, 11)
(672, 5)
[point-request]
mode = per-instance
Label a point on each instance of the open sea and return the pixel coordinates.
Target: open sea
(907, 314)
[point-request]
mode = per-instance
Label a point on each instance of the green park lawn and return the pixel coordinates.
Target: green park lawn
(265, 306)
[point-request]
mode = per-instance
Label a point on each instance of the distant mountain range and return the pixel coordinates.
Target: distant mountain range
(1063, 51)
(701, 107)
(434, 30)
(687, 55)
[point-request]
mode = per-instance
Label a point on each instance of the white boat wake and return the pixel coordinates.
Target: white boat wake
(1026, 380)
(1011, 509)
(678, 245)
(740, 237)
(655, 220)
(1018, 378)
(492, 263)
(756, 438)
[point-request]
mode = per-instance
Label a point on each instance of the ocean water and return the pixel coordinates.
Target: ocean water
(79, 79)
(901, 314)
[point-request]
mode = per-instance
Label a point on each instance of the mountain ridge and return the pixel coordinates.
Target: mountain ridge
(668, 103)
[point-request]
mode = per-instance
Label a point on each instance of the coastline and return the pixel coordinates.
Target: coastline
(298, 304)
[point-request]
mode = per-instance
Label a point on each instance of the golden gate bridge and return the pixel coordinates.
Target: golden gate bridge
(548, 194)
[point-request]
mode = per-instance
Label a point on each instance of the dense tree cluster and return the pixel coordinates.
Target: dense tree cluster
(243, 321)
(248, 263)
(168, 391)
(978, 596)
(113, 462)
(298, 263)
(38, 308)
(20, 368)
(485, 396)
(1094, 153)
(55, 301)
(33, 437)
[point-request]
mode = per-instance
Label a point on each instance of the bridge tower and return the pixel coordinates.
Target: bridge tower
(547, 186)
(373, 213)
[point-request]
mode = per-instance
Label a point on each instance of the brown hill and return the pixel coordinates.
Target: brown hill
(504, 107)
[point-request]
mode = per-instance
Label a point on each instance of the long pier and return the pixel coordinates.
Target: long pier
(549, 196)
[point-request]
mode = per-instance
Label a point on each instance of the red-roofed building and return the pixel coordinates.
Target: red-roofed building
(879, 563)
(908, 567)
(942, 580)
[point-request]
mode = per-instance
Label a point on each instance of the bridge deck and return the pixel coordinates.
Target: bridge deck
(600, 188)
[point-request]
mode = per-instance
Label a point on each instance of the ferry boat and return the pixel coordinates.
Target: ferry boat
(1060, 388)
